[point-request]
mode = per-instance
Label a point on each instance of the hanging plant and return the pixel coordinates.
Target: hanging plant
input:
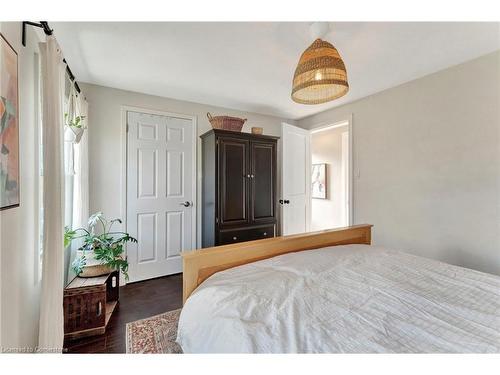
(77, 122)
(74, 128)
(73, 119)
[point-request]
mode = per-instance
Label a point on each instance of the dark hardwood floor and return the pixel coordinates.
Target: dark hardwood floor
(137, 301)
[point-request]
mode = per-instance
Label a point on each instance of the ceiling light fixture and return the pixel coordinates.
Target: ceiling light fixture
(320, 75)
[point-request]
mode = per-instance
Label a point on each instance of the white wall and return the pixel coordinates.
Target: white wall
(106, 138)
(326, 147)
(19, 277)
(428, 157)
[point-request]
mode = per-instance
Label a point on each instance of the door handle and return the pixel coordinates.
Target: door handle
(286, 201)
(186, 204)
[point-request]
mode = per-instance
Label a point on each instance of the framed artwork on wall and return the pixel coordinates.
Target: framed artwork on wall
(9, 127)
(318, 181)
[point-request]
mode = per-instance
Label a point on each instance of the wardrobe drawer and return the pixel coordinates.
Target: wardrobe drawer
(232, 236)
(241, 235)
(260, 233)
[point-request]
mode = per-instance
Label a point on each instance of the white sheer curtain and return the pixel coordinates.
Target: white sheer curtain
(80, 201)
(81, 163)
(51, 333)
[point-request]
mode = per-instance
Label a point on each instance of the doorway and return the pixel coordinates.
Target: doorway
(331, 176)
(161, 191)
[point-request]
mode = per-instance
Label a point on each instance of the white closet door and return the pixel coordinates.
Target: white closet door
(159, 193)
(296, 186)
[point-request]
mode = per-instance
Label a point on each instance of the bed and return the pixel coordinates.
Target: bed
(332, 292)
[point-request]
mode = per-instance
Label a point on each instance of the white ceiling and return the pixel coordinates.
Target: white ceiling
(249, 66)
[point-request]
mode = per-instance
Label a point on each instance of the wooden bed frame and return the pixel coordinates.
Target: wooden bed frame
(198, 265)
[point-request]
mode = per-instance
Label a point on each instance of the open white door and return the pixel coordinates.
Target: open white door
(295, 182)
(160, 212)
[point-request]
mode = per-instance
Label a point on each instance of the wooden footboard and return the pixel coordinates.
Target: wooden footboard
(198, 265)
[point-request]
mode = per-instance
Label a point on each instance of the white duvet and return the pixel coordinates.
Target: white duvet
(354, 298)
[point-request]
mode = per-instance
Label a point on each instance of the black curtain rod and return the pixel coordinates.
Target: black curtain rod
(48, 31)
(42, 24)
(72, 76)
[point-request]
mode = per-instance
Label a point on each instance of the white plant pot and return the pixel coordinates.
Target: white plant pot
(72, 134)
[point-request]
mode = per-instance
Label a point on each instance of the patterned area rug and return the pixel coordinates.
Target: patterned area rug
(156, 334)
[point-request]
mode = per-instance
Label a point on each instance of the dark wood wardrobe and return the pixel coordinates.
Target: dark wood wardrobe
(239, 187)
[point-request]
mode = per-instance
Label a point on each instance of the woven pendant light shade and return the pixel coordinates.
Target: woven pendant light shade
(320, 75)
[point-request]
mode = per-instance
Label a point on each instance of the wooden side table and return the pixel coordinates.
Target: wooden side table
(88, 305)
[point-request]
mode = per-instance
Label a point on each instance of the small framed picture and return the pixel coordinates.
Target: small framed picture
(318, 181)
(9, 127)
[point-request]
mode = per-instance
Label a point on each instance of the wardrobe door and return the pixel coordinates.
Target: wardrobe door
(263, 181)
(233, 181)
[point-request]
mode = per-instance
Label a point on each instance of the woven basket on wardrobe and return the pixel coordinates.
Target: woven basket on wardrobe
(234, 124)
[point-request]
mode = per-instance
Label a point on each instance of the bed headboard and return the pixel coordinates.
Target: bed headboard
(198, 265)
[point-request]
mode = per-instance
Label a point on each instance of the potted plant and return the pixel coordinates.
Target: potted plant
(100, 253)
(74, 128)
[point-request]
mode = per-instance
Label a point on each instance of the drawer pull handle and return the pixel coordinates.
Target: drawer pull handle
(265, 233)
(235, 238)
